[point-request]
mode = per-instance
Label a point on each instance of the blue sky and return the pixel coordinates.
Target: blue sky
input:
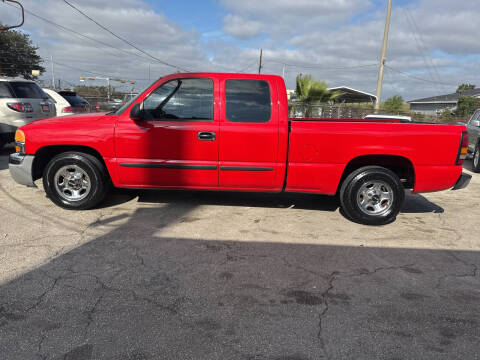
(336, 41)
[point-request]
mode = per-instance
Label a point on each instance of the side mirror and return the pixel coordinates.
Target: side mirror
(136, 113)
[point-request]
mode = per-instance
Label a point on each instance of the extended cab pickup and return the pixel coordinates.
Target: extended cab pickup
(219, 131)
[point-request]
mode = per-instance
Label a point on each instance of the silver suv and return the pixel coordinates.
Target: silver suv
(21, 101)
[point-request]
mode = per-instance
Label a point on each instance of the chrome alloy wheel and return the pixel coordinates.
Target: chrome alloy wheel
(375, 198)
(72, 183)
(476, 158)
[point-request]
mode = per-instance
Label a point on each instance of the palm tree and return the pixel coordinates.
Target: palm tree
(310, 91)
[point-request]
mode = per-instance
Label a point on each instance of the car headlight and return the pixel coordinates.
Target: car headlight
(20, 141)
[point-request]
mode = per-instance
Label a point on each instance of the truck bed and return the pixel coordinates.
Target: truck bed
(320, 149)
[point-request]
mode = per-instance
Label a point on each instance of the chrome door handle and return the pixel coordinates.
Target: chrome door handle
(206, 136)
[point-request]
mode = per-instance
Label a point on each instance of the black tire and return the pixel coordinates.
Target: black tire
(356, 187)
(90, 167)
(476, 159)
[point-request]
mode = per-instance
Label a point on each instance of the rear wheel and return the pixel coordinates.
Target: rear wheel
(372, 195)
(75, 180)
(476, 159)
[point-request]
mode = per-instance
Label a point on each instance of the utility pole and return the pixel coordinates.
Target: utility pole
(382, 58)
(283, 71)
(148, 72)
(53, 72)
(260, 63)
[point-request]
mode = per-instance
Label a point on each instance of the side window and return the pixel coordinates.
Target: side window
(50, 97)
(475, 116)
(247, 101)
(5, 90)
(181, 99)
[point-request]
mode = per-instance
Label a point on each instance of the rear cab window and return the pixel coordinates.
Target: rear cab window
(247, 101)
(26, 90)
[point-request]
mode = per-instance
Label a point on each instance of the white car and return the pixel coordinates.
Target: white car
(61, 104)
(68, 102)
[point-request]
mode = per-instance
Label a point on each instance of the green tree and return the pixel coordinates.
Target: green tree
(395, 103)
(310, 91)
(466, 106)
(446, 114)
(18, 56)
(463, 87)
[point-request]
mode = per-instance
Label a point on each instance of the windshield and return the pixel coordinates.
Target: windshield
(120, 110)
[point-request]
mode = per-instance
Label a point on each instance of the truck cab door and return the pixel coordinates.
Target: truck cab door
(175, 142)
(249, 135)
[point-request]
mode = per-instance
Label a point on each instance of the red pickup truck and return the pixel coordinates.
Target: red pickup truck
(218, 131)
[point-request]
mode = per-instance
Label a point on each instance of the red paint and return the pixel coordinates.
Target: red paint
(318, 150)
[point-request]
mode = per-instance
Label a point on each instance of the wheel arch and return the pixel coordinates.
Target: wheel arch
(400, 165)
(47, 153)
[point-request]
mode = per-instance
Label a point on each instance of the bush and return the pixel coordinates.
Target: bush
(467, 106)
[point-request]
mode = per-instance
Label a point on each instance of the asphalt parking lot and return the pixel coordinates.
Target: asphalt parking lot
(192, 275)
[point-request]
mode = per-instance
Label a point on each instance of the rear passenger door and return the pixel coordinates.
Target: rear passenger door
(249, 131)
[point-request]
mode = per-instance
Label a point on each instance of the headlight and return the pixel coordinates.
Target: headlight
(20, 142)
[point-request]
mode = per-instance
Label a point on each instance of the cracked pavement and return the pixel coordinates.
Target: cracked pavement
(191, 275)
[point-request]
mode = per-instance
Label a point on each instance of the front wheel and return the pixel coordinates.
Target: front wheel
(75, 180)
(372, 195)
(476, 159)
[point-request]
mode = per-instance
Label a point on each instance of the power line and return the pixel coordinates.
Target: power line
(45, 61)
(416, 77)
(112, 77)
(82, 35)
(248, 66)
(420, 46)
(321, 67)
(123, 39)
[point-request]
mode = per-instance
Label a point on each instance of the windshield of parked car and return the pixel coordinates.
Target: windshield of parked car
(27, 90)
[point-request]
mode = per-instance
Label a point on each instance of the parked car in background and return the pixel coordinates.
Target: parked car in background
(21, 101)
(401, 118)
(129, 97)
(473, 127)
(77, 104)
(112, 104)
(62, 106)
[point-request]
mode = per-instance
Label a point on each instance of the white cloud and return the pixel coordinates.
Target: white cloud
(241, 28)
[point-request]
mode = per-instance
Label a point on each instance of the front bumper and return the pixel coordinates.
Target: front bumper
(21, 168)
(462, 182)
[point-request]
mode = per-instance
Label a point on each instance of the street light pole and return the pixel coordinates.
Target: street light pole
(260, 62)
(53, 72)
(382, 58)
